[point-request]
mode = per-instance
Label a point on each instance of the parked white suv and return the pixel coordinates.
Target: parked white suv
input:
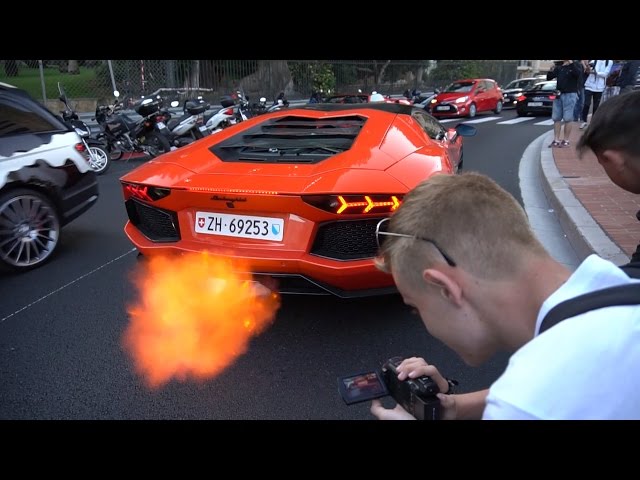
(45, 180)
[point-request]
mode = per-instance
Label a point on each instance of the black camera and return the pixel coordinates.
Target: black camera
(416, 395)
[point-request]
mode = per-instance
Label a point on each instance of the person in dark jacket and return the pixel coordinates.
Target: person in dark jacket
(568, 74)
(628, 74)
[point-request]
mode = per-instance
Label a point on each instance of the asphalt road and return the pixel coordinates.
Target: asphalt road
(61, 328)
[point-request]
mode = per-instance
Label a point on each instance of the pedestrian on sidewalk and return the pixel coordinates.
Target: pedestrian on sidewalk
(614, 137)
(580, 100)
(594, 86)
(628, 74)
(568, 74)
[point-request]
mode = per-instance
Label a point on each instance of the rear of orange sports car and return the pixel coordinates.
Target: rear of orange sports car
(297, 194)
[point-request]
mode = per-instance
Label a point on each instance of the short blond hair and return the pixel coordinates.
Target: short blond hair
(480, 225)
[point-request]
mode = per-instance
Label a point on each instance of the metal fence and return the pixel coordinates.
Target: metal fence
(93, 81)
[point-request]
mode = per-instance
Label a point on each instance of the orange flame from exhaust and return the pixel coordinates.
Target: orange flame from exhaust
(195, 316)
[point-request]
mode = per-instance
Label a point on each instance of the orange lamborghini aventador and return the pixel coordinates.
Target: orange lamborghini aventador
(296, 194)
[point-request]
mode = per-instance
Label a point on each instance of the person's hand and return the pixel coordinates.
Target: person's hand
(397, 413)
(414, 367)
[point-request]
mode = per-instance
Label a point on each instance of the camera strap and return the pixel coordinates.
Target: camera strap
(619, 295)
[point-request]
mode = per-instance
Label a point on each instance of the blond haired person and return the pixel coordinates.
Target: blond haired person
(462, 253)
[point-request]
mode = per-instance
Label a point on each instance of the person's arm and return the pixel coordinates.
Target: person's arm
(553, 73)
(468, 406)
(604, 72)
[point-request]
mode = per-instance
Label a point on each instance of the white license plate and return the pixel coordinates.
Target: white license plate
(244, 226)
(442, 108)
(203, 128)
(161, 125)
(534, 104)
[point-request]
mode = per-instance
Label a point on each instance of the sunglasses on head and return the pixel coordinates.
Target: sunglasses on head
(382, 233)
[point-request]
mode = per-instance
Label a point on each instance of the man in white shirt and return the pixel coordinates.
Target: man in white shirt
(462, 253)
(594, 85)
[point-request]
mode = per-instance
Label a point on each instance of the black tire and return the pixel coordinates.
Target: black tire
(499, 107)
(30, 229)
(521, 114)
(157, 144)
(472, 110)
(115, 153)
(197, 134)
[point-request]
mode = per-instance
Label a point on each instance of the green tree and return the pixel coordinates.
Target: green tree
(447, 71)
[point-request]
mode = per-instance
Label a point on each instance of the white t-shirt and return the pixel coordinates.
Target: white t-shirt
(585, 367)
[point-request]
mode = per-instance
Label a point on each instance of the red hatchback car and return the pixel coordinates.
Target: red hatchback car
(465, 98)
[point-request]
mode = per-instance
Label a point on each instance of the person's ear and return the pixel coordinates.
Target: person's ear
(613, 158)
(449, 287)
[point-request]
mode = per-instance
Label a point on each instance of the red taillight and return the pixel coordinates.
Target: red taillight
(228, 111)
(80, 147)
(552, 97)
(521, 98)
(355, 204)
(144, 192)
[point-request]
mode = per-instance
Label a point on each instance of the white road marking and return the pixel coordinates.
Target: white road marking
(545, 122)
(482, 120)
(449, 120)
(515, 120)
(68, 284)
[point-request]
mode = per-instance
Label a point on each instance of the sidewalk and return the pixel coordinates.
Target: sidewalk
(597, 215)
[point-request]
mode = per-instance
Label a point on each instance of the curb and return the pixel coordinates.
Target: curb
(583, 232)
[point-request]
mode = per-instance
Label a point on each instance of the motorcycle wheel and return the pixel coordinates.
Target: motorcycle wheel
(156, 144)
(99, 160)
(115, 153)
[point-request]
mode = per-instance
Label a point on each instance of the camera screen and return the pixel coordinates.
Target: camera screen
(362, 387)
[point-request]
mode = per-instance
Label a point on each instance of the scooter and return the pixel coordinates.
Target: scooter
(220, 119)
(190, 127)
(97, 155)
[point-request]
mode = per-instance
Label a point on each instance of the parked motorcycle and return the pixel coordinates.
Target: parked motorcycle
(220, 119)
(148, 135)
(279, 103)
(97, 156)
(190, 126)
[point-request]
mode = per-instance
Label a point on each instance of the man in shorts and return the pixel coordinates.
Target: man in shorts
(567, 74)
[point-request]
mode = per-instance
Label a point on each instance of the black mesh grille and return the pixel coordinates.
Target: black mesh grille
(155, 224)
(292, 139)
(347, 240)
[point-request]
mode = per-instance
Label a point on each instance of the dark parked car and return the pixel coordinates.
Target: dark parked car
(46, 180)
(515, 88)
(538, 100)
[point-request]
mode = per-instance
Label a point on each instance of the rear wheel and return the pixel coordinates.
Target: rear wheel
(157, 144)
(99, 160)
(115, 153)
(498, 108)
(29, 229)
